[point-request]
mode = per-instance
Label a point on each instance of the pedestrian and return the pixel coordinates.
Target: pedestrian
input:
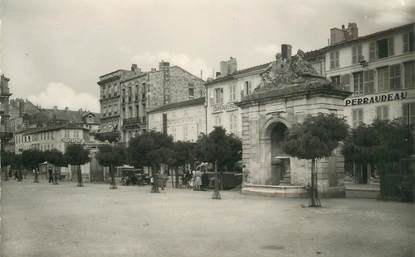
(197, 180)
(50, 175)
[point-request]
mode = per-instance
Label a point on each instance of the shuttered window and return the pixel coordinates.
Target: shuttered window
(408, 41)
(409, 70)
(409, 113)
(383, 79)
(368, 82)
(358, 83)
(357, 54)
(395, 77)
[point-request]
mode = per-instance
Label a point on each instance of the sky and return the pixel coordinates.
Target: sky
(53, 51)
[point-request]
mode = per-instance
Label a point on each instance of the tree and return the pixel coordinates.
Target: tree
(7, 159)
(150, 149)
(314, 139)
(382, 144)
(111, 156)
(31, 159)
(179, 155)
(57, 159)
(76, 155)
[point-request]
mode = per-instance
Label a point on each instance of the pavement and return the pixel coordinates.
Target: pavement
(45, 220)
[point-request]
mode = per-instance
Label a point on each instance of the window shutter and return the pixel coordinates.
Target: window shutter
(372, 51)
(345, 79)
(354, 54)
(360, 116)
(360, 56)
(332, 60)
(390, 47)
(406, 42)
(337, 59)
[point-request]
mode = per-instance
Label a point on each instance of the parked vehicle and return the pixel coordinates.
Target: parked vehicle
(131, 176)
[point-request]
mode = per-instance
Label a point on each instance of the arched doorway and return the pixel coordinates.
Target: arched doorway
(280, 161)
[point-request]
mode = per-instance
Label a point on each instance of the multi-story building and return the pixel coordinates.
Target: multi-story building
(5, 133)
(184, 121)
(52, 137)
(124, 109)
(378, 68)
(110, 99)
(229, 86)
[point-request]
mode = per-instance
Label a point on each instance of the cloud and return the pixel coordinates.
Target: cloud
(61, 95)
(147, 60)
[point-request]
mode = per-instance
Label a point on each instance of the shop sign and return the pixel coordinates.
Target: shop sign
(388, 97)
(226, 107)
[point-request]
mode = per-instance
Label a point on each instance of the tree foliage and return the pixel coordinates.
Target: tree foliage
(7, 158)
(32, 158)
(382, 141)
(316, 137)
(55, 157)
(149, 149)
(75, 154)
(221, 147)
(109, 155)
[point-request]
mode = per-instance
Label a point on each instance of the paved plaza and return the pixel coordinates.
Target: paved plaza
(46, 220)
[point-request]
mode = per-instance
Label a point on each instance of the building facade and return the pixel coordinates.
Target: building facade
(110, 99)
(229, 87)
(380, 71)
(184, 121)
(48, 138)
(127, 96)
(5, 132)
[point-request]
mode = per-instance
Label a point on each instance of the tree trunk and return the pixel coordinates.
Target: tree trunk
(112, 185)
(314, 200)
(55, 176)
(216, 193)
(155, 186)
(36, 176)
(80, 183)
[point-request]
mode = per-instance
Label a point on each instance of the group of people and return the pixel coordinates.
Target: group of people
(197, 180)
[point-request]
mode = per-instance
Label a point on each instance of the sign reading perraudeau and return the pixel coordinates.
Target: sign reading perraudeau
(387, 97)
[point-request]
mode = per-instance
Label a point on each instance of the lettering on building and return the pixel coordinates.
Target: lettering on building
(376, 99)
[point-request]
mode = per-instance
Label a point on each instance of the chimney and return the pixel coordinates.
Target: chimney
(285, 51)
(163, 65)
(232, 65)
(223, 69)
(352, 31)
(135, 68)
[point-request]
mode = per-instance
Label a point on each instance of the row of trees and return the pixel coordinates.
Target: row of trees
(30, 159)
